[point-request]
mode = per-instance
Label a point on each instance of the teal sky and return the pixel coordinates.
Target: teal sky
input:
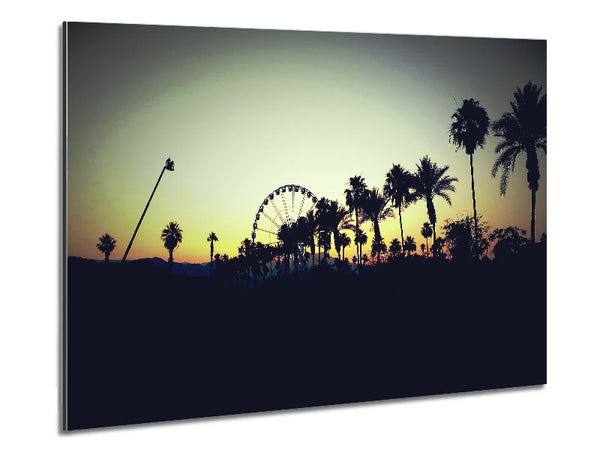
(244, 111)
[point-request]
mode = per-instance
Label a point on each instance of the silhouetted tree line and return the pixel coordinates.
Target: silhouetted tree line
(308, 242)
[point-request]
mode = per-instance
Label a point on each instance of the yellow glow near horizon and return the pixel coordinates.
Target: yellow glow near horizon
(243, 112)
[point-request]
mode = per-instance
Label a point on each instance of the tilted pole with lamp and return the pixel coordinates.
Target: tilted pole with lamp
(169, 165)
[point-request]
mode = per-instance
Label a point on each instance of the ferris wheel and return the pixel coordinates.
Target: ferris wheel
(282, 206)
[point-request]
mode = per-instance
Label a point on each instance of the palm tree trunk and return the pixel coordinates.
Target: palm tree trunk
(377, 231)
(356, 234)
(106, 257)
(170, 261)
(401, 230)
(476, 237)
(427, 244)
(533, 177)
(533, 216)
(434, 238)
(211, 256)
(377, 238)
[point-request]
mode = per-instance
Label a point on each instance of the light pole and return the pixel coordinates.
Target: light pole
(169, 165)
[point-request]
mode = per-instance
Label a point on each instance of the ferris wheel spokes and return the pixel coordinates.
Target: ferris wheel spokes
(266, 231)
(268, 217)
(277, 211)
(284, 212)
(285, 209)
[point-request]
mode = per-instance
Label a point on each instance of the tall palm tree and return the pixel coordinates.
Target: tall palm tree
(323, 216)
(354, 196)
(468, 131)
(398, 185)
(427, 232)
(212, 237)
(431, 181)
(375, 208)
(522, 131)
(171, 235)
(106, 245)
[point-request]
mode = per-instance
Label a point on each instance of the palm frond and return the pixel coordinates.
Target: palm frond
(470, 126)
(387, 213)
(521, 130)
(172, 235)
(445, 197)
(106, 243)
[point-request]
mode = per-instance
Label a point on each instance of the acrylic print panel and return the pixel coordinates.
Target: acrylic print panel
(260, 220)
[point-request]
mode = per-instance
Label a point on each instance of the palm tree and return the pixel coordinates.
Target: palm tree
(377, 248)
(286, 236)
(395, 248)
(422, 249)
(427, 232)
(263, 256)
(338, 219)
(323, 240)
(375, 208)
(354, 196)
(522, 131)
(303, 236)
(345, 242)
(437, 246)
(398, 185)
(248, 261)
(430, 182)
(106, 245)
(468, 131)
(360, 239)
(172, 235)
(212, 237)
(323, 216)
(410, 245)
(311, 225)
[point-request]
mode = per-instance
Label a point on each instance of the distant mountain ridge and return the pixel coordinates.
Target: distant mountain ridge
(179, 268)
(184, 268)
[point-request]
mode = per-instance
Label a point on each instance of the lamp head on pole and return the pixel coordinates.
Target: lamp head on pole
(170, 164)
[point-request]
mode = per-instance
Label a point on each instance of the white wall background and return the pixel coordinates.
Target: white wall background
(563, 414)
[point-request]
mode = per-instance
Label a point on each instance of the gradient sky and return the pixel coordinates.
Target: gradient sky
(245, 111)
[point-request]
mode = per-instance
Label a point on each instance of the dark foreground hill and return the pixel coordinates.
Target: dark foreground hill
(147, 346)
